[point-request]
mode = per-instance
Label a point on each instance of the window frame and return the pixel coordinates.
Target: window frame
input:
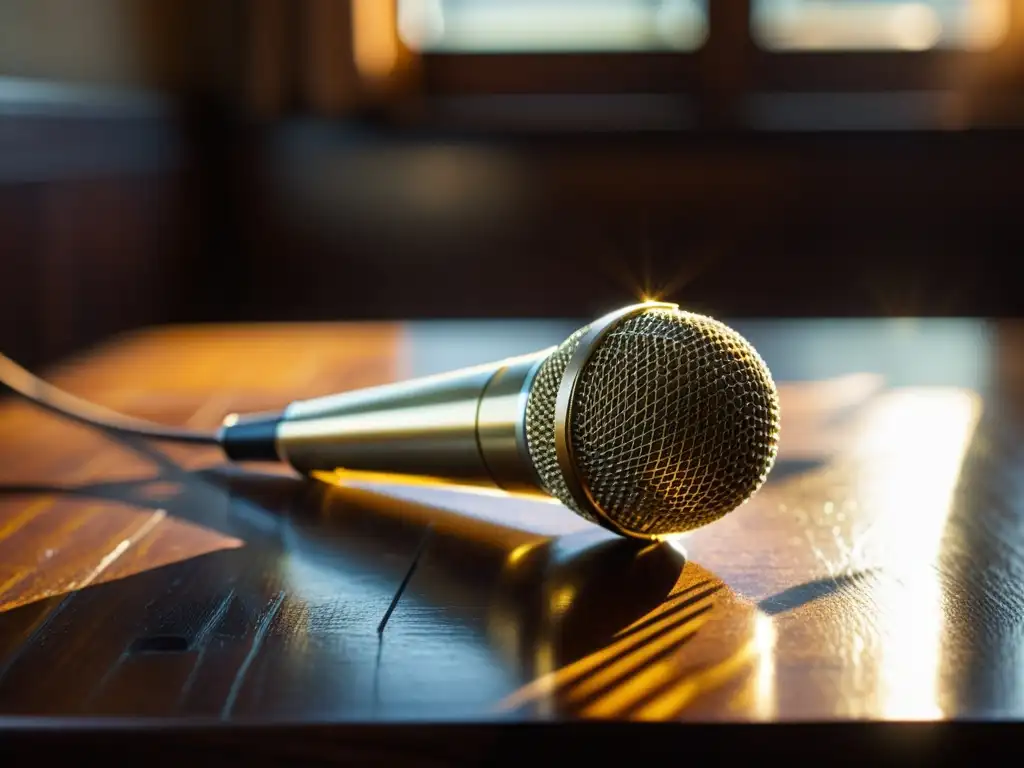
(730, 36)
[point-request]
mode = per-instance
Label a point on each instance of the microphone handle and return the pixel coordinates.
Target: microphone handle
(468, 426)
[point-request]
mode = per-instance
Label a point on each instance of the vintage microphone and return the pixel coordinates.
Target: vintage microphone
(650, 421)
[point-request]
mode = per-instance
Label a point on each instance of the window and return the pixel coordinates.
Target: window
(558, 26)
(839, 63)
(879, 25)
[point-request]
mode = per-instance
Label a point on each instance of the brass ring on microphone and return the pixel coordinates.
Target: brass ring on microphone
(564, 409)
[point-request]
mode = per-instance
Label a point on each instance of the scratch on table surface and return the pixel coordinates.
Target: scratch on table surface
(200, 641)
(408, 575)
(107, 677)
(34, 632)
(111, 557)
(73, 589)
(211, 623)
(257, 641)
(376, 673)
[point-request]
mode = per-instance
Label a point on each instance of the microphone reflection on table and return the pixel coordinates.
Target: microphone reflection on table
(552, 601)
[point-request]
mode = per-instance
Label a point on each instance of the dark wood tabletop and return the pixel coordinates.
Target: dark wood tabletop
(877, 577)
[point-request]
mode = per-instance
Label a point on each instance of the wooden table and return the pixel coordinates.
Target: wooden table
(154, 591)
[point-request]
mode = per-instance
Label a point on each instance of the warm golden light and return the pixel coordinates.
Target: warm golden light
(621, 669)
(373, 37)
(364, 478)
(764, 705)
(139, 540)
(519, 553)
(893, 25)
(916, 442)
(661, 663)
(561, 600)
(915, 27)
(688, 688)
(638, 681)
(990, 24)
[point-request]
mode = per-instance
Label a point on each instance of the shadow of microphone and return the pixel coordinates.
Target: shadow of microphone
(549, 599)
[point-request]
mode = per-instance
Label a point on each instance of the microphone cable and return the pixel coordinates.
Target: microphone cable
(51, 398)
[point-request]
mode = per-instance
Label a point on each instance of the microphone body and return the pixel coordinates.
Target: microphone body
(649, 421)
(467, 427)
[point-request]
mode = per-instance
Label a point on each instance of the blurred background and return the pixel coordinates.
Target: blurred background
(267, 160)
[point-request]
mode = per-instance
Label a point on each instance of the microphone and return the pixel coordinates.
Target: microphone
(650, 421)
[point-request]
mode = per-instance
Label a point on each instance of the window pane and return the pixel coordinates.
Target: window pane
(509, 26)
(795, 25)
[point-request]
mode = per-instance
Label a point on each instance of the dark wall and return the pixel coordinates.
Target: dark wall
(92, 227)
(102, 119)
(756, 224)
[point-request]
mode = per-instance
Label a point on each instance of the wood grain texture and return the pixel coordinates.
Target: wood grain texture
(877, 575)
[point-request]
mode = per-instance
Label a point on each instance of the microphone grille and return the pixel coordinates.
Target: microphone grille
(674, 422)
(540, 422)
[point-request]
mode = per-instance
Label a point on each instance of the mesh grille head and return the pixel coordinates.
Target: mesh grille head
(674, 422)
